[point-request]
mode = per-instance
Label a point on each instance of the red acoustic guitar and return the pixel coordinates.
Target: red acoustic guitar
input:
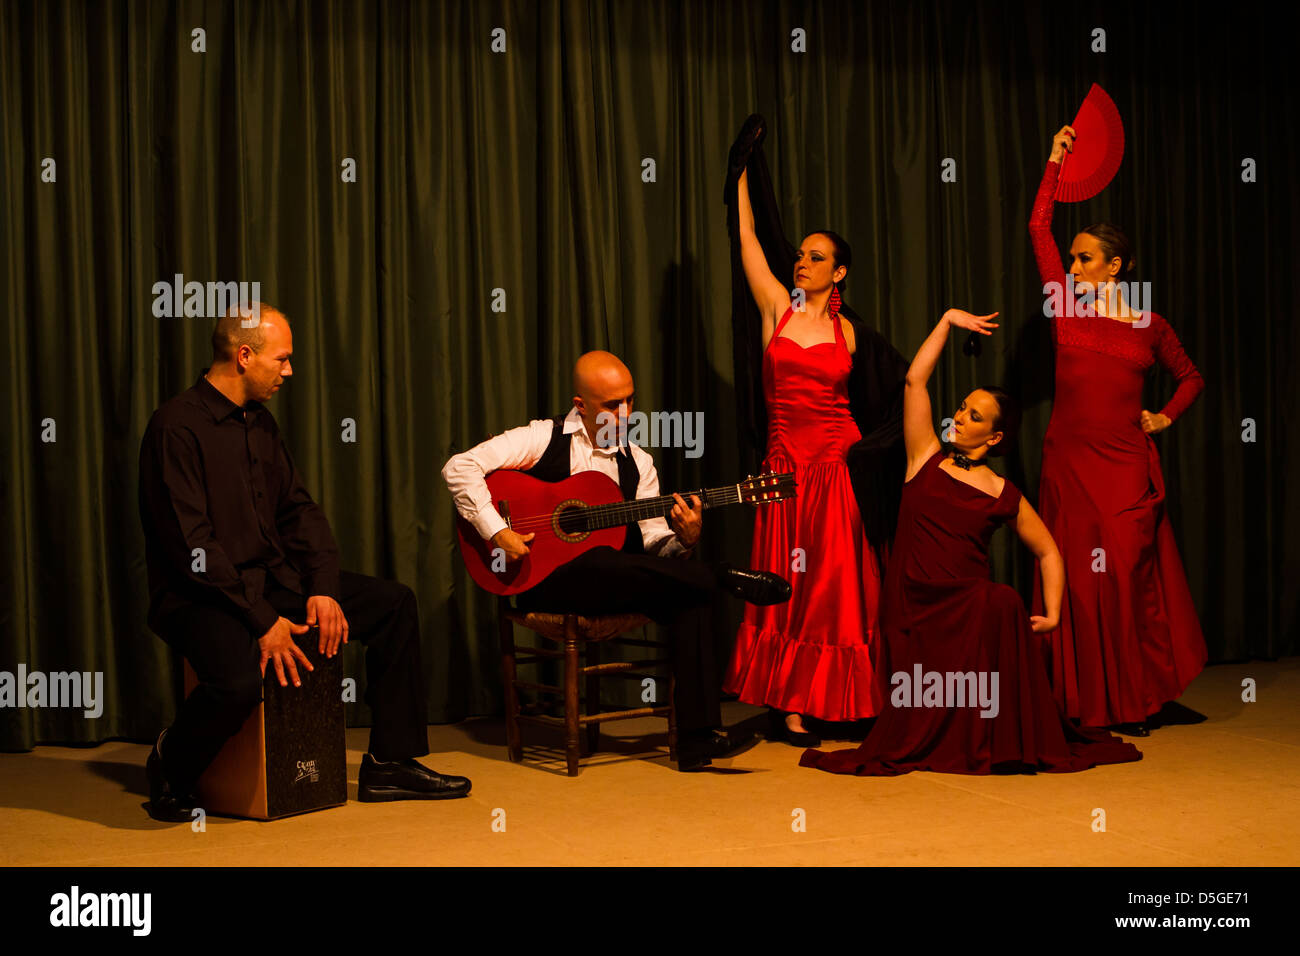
(577, 514)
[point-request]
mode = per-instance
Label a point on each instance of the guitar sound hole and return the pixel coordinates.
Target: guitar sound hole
(570, 521)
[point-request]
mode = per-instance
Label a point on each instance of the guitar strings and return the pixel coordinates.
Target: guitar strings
(627, 510)
(623, 510)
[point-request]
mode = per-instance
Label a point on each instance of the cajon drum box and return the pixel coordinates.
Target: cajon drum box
(290, 756)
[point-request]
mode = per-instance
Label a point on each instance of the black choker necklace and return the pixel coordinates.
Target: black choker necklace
(961, 461)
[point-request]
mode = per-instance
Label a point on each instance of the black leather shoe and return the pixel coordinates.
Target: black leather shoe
(1139, 729)
(407, 779)
(756, 587)
(690, 758)
(697, 751)
(166, 804)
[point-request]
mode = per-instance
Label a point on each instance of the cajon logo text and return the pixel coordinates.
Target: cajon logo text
(307, 771)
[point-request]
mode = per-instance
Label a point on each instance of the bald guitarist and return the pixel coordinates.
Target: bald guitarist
(648, 576)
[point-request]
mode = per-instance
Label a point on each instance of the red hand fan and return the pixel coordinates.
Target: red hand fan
(1098, 148)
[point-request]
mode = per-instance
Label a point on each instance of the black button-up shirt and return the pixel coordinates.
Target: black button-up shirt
(217, 477)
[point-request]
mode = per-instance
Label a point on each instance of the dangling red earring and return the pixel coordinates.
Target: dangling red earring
(833, 307)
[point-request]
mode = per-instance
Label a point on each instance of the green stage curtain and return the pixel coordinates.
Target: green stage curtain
(513, 208)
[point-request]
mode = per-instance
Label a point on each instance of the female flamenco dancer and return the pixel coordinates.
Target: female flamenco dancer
(1129, 638)
(816, 654)
(970, 690)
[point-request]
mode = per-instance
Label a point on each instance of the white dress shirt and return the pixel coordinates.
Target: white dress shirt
(521, 448)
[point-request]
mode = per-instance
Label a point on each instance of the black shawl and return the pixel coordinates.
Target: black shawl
(878, 461)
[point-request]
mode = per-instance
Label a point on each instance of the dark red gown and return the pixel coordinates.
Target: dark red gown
(814, 654)
(942, 613)
(1129, 638)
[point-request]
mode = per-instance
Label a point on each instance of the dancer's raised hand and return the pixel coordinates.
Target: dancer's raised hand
(747, 140)
(961, 319)
(1062, 143)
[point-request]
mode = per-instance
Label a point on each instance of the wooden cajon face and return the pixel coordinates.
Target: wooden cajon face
(290, 755)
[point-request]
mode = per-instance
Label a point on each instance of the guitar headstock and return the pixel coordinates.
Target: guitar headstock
(767, 488)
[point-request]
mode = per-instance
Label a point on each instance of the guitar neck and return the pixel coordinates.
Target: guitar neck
(639, 509)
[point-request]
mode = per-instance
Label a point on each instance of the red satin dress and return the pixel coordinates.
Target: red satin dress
(1129, 638)
(816, 653)
(943, 615)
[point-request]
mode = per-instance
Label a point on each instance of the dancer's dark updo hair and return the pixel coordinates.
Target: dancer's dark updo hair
(1114, 242)
(1007, 420)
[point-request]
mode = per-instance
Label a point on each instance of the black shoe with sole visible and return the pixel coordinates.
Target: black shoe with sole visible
(1139, 729)
(166, 804)
(381, 781)
(756, 587)
(696, 751)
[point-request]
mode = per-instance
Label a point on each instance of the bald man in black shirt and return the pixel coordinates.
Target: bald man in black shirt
(217, 483)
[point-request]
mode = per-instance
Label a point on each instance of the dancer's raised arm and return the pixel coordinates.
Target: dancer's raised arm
(769, 294)
(918, 425)
(1048, 257)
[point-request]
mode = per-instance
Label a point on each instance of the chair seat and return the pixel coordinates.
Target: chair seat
(551, 626)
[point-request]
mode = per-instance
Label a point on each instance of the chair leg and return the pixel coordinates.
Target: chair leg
(506, 629)
(672, 716)
(593, 698)
(571, 692)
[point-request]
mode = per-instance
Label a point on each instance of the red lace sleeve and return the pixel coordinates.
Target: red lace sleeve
(1040, 228)
(1169, 352)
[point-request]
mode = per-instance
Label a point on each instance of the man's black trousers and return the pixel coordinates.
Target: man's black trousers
(225, 657)
(673, 591)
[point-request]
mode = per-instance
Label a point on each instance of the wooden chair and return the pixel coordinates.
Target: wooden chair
(575, 634)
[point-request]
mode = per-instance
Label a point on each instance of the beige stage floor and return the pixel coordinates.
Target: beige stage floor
(1220, 792)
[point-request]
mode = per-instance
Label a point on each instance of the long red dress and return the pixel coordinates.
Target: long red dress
(814, 654)
(942, 614)
(1129, 638)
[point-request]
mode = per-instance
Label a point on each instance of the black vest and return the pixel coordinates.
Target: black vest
(554, 466)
